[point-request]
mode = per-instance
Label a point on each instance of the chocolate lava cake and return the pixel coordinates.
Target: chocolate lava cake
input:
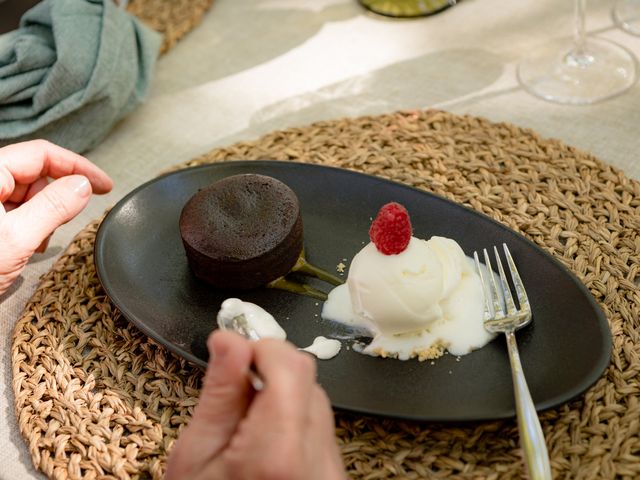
(242, 231)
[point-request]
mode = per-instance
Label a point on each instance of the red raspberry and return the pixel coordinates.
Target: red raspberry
(391, 229)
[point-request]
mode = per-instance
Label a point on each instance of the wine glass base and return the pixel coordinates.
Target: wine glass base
(560, 73)
(407, 8)
(626, 14)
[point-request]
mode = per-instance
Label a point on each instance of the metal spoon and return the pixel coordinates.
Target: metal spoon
(240, 325)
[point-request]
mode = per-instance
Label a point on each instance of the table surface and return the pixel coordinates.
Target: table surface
(256, 66)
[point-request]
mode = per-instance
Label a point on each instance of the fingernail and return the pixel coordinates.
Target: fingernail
(81, 187)
(217, 350)
(212, 352)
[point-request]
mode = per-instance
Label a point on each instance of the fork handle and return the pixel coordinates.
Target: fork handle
(531, 437)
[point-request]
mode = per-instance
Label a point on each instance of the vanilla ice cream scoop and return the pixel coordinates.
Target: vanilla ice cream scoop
(401, 293)
(428, 294)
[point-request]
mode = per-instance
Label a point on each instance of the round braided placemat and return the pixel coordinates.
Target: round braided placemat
(172, 18)
(96, 398)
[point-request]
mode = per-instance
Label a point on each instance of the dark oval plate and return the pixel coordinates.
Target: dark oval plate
(142, 266)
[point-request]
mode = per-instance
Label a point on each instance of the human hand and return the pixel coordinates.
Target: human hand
(283, 432)
(31, 208)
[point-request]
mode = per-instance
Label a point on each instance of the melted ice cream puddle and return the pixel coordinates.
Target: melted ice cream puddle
(415, 303)
(267, 327)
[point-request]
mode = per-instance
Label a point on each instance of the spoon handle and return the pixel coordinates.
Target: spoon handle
(255, 379)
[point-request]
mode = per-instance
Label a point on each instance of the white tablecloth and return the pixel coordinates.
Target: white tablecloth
(253, 66)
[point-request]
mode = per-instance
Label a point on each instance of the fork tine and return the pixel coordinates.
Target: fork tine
(521, 293)
(498, 311)
(487, 304)
(506, 290)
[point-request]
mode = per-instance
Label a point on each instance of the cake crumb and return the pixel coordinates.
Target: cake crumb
(380, 352)
(340, 267)
(430, 353)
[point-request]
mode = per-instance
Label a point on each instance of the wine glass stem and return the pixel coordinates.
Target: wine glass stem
(580, 31)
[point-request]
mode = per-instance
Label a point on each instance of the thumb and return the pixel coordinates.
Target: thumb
(224, 401)
(57, 203)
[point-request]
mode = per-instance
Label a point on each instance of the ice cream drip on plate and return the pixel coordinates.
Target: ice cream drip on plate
(324, 348)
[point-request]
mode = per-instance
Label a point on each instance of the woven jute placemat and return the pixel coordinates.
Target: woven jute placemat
(95, 398)
(172, 18)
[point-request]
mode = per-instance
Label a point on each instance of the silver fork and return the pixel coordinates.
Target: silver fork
(497, 320)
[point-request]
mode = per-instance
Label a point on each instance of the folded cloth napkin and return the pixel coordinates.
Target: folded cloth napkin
(72, 70)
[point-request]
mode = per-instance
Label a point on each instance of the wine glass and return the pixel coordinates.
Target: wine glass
(584, 71)
(626, 14)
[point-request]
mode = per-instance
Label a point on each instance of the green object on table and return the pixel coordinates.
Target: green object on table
(72, 70)
(407, 8)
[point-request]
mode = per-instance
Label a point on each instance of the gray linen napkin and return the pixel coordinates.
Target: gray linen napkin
(72, 70)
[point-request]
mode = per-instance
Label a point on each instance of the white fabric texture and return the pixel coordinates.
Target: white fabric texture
(241, 74)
